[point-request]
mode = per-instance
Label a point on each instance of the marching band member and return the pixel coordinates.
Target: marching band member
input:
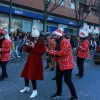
(49, 58)
(5, 47)
(82, 52)
(33, 69)
(65, 63)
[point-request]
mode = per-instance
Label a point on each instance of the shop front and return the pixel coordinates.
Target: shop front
(17, 22)
(72, 31)
(24, 19)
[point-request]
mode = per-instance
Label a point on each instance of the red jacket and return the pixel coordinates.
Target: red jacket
(65, 57)
(33, 68)
(5, 50)
(83, 52)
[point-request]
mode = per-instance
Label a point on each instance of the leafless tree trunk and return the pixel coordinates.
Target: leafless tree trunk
(49, 6)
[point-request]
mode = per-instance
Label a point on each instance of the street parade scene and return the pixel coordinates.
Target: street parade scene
(49, 50)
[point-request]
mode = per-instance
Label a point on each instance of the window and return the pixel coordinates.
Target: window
(15, 24)
(72, 5)
(4, 22)
(63, 3)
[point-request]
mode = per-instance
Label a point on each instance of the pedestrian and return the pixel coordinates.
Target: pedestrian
(82, 52)
(64, 63)
(33, 69)
(5, 47)
(49, 58)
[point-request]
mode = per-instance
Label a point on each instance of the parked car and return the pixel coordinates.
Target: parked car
(96, 56)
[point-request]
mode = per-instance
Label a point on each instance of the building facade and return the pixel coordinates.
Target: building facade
(26, 13)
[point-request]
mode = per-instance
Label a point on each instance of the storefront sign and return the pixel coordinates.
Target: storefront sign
(19, 12)
(37, 16)
(50, 18)
(71, 23)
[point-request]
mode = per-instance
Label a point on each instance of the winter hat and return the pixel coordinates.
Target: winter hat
(83, 33)
(59, 32)
(2, 32)
(35, 32)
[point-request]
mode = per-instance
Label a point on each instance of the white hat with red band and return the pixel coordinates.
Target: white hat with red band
(59, 32)
(83, 33)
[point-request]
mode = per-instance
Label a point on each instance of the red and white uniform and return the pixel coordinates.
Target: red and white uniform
(5, 50)
(83, 52)
(65, 57)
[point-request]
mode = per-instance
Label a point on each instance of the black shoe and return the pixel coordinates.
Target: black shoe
(73, 98)
(54, 78)
(46, 67)
(1, 78)
(77, 74)
(56, 95)
(4, 76)
(80, 76)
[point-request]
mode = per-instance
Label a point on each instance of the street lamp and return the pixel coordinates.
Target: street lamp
(10, 16)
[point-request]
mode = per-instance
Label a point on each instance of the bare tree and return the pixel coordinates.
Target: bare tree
(82, 9)
(49, 7)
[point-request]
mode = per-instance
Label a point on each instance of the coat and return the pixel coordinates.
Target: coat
(65, 58)
(83, 52)
(33, 69)
(5, 50)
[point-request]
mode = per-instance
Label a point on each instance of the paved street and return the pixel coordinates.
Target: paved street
(88, 88)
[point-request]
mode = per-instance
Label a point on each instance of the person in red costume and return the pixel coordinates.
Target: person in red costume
(51, 45)
(5, 47)
(82, 52)
(33, 69)
(64, 63)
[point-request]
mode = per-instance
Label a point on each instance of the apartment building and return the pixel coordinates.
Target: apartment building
(26, 13)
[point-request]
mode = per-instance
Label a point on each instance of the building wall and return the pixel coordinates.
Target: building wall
(61, 10)
(52, 24)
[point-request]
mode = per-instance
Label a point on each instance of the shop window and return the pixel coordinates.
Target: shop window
(66, 31)
(70, 32)
(51, 28)
(27, 26)
(15, 24)
(4, 22)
